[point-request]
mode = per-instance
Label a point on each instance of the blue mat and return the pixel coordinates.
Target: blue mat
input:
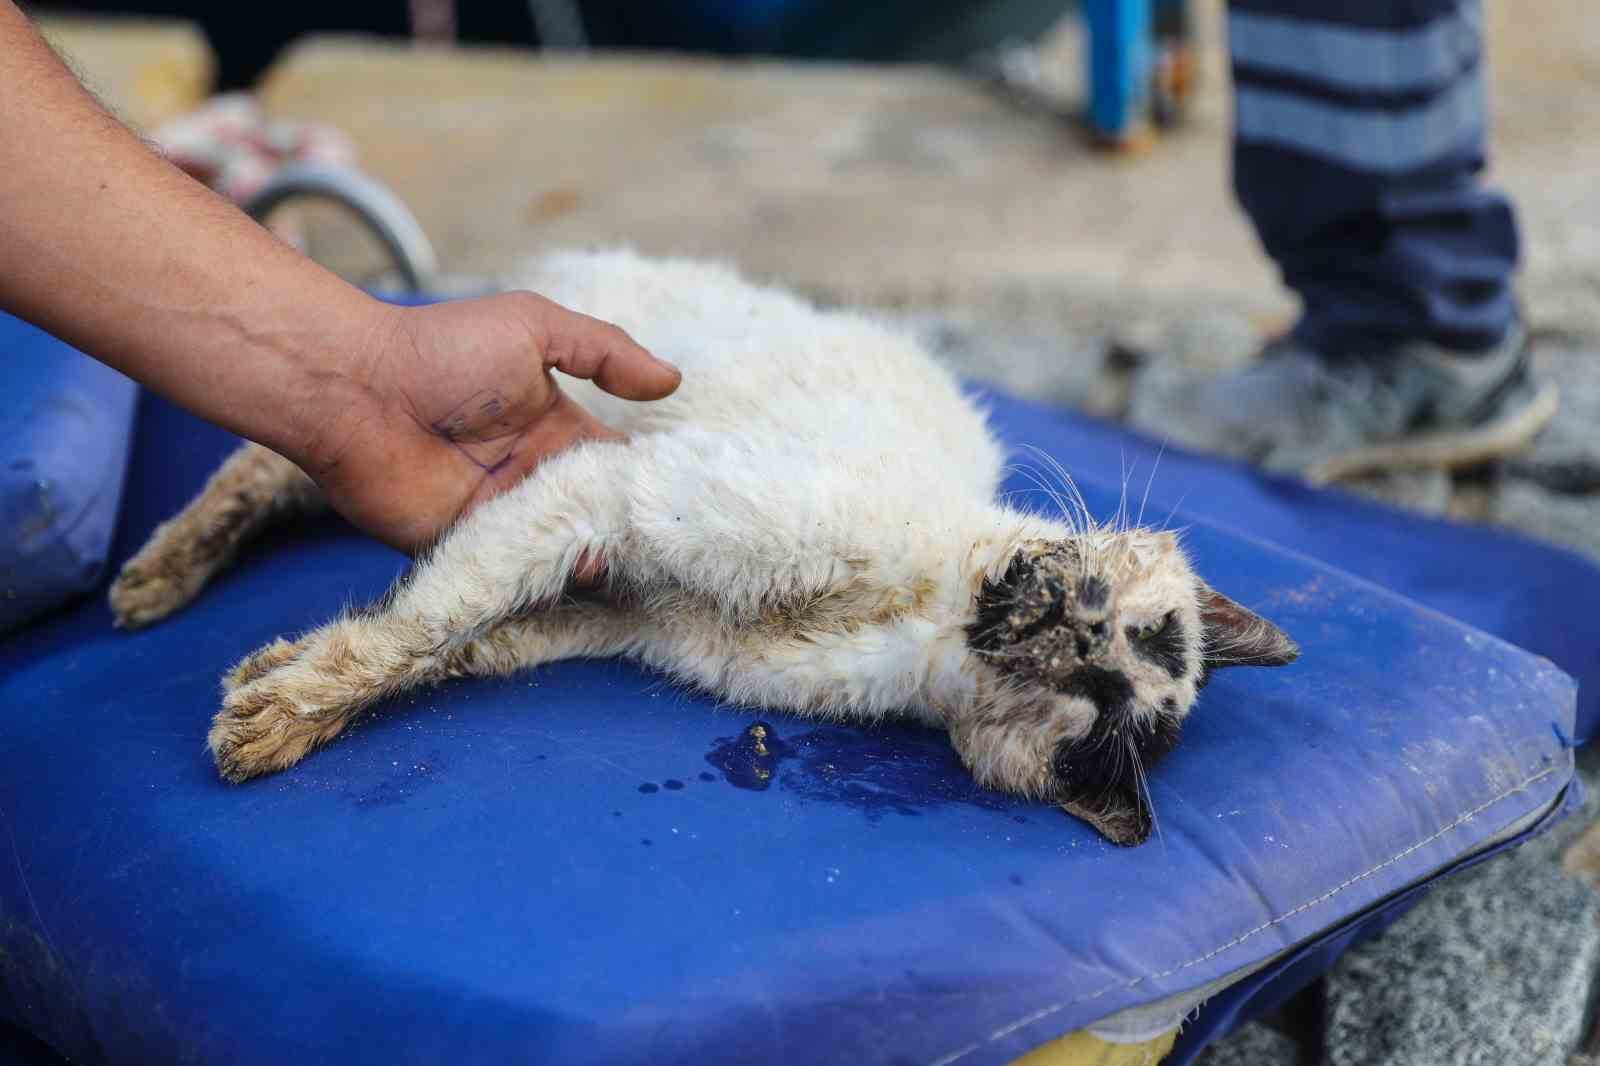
(65, 427)
(564, 867)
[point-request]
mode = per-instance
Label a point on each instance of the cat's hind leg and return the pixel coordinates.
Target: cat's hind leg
(514, 555)
(254, 487)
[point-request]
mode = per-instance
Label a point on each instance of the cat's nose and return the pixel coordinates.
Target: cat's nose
(1091, 631)
(1091, 637)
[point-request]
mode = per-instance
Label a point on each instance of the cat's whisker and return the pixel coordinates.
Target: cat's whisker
(1121, 518)
(1064, 507)
(1141, 781)
(1150, 481)
(1067, 482)
(1175, 509)
(1037, 478)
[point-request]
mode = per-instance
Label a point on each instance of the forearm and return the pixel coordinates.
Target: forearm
(111, 248)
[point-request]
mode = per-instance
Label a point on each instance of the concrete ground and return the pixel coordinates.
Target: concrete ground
(1063, 274)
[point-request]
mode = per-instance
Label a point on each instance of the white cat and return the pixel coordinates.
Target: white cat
(809, 524)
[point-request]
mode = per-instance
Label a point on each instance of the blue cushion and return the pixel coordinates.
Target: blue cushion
(562, 867)
(17, 1048)
(65, 424)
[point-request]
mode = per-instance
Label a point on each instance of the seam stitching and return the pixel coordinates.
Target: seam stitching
(1045, 1012)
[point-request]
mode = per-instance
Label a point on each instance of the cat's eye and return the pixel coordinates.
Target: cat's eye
(1153, 628)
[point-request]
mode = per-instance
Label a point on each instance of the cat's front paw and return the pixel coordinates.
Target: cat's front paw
(142, 594)
(261, 662)
(270, 723)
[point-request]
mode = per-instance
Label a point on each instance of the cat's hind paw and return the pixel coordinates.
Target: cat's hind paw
(141, 595)
(270, 723)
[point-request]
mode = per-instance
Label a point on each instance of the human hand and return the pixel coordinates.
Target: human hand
(456, 402)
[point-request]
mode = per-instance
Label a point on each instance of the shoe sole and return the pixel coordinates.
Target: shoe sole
(1446, 449)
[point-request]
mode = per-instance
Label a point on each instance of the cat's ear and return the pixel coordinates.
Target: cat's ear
(1122, 816)
(1237, 636)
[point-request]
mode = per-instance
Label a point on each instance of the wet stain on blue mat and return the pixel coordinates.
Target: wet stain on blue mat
(914, 771)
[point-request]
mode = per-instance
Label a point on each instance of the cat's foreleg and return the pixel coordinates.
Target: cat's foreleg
(515, 554)
(256, 734)
(254, 487)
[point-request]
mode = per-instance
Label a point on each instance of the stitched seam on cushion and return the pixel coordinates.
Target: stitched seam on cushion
(1045, 1012)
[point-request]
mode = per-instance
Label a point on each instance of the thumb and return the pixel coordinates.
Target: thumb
(586, 347)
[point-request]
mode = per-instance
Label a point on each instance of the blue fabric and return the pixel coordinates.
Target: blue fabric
(559, 868)
(17, 1048)
(65, 425)
(1119, 63)
(1361, 177)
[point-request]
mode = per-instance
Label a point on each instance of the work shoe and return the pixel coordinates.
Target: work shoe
(1298, 411)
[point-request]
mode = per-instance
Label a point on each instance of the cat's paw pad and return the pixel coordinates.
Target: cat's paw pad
(270, 724)
(141, 595)
(261, 662)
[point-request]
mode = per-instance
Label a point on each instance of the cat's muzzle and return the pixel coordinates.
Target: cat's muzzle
(1044, 619)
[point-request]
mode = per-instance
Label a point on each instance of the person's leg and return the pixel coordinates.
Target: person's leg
(1360, 133)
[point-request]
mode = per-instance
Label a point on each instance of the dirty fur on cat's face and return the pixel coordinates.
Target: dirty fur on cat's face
(1093, 650)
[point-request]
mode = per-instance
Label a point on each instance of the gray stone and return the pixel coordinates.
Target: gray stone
(1213, 340)
(1493, 967)
(1058, 367)
(1251, 1045)
(1157, 405)
(1573, 521)
(1428, 491)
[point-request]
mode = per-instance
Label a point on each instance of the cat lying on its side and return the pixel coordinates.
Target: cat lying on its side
(809, 524)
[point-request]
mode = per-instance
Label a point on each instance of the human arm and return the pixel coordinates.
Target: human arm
(404, 416)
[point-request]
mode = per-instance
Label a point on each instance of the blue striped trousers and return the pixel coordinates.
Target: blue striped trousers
(1359, 140)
